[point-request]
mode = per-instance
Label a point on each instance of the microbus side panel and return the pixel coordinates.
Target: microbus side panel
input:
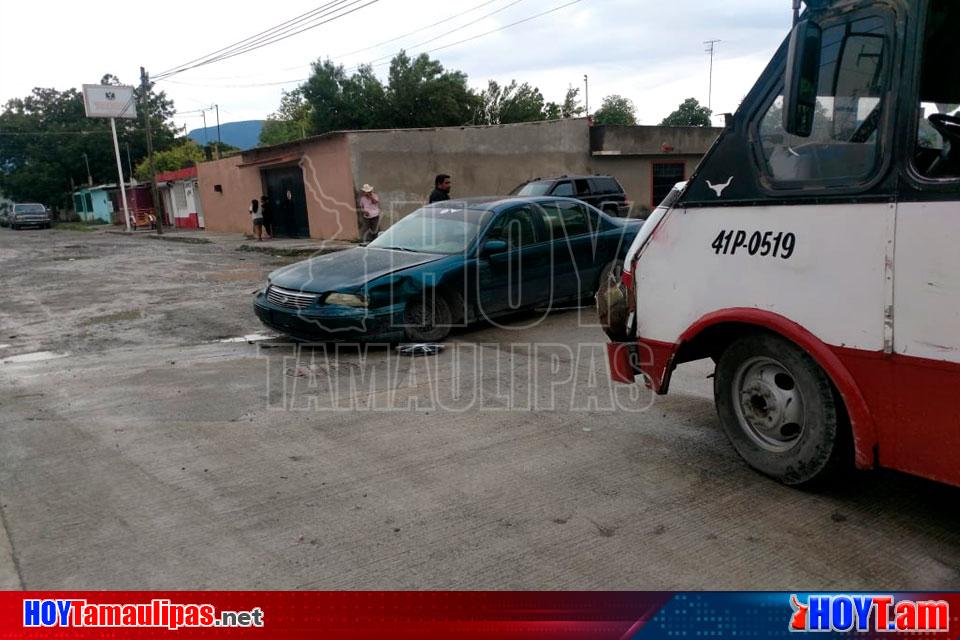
(832, 284)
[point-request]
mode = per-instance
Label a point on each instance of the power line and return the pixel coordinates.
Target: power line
(335, 57)
(61, 133)
(444, 35)
(376, 62)
(492, 31)
(277, 36)
(351, 9)
(410, 33)
(248, 39)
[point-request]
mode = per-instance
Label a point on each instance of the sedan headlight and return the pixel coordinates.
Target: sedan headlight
(346, 300)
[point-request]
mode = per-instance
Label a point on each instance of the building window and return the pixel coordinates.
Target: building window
(78, 203)
(89, 200)
(665, 175)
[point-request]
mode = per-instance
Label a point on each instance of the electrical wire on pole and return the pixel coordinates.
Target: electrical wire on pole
(279, 34)
(384, 60)
(711, 49)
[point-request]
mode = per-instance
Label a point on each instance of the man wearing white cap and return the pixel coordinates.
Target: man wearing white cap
(370, 208)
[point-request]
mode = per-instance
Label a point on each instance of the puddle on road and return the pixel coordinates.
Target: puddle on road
(253, 337)
(36, 356)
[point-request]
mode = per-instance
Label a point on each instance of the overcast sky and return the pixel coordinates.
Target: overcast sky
(651, 51)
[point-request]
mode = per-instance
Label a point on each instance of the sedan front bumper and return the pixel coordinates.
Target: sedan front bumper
(324, 323)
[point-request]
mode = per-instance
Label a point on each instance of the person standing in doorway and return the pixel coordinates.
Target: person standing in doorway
(265, 213)
(370, 209)
(441, 188)
(257, 218)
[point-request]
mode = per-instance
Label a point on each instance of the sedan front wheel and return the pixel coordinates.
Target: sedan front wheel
(427, 318)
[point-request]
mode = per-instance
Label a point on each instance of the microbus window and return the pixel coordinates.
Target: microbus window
(843, 148)
(937, 152)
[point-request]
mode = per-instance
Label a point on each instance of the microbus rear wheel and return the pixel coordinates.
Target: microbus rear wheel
(779, 410)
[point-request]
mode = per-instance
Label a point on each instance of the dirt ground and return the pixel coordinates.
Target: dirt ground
(146, 443)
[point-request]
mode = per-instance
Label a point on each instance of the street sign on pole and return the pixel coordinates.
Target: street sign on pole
(109, 101)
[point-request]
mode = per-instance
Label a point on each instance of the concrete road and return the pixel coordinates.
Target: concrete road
(141, 448)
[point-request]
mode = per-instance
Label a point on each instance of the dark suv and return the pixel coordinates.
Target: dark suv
(603, 192)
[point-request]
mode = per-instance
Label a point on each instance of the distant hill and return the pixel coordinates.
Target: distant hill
(243, 134)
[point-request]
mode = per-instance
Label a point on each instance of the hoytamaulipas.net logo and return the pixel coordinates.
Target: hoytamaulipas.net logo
(156, 613)
(868, 613)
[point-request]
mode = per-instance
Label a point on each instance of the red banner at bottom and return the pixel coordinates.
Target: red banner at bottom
(424, 615)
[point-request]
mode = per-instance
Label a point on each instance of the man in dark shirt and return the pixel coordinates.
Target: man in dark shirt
(441, 189)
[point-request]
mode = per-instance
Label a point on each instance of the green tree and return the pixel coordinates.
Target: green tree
(185, 154)
(616, 109)
(337, 101)
(44, 137)
(569, 108)
(510, 103)
(420, 93)
(290, 122)
(689, 114)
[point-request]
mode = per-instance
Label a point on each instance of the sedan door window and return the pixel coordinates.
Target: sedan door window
(517, 227)
(566, 219)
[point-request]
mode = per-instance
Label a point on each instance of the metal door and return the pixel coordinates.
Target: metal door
(288, 202)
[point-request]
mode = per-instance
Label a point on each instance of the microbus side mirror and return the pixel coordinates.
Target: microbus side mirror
(802, 78)
(492, 247)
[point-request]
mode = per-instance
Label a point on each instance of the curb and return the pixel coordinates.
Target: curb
(291, 252)
(154, 236)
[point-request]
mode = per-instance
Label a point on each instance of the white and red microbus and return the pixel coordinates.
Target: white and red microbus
(812, 254)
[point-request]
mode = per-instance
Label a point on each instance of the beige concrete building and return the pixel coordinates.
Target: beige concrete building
(312, 184)
(648, 161)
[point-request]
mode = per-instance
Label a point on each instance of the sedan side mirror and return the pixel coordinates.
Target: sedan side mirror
(491, 247)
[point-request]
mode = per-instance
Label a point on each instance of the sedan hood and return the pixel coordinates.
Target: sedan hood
(346, 270)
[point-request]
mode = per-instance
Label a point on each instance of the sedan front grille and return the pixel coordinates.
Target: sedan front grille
(289, 299)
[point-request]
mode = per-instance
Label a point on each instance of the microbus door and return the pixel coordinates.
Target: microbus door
(925, 437)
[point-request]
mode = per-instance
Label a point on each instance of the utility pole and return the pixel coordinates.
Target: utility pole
(89, 177)
(145, 96)
(586, 93)
(219, 142)
(711, 49)
(206, 140)
(123, 184)
(129, 164)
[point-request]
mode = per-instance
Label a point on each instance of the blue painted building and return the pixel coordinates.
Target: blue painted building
(93, 204)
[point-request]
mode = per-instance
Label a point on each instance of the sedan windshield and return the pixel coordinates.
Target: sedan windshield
(534, 189)
(434, 229)
(28, 208)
